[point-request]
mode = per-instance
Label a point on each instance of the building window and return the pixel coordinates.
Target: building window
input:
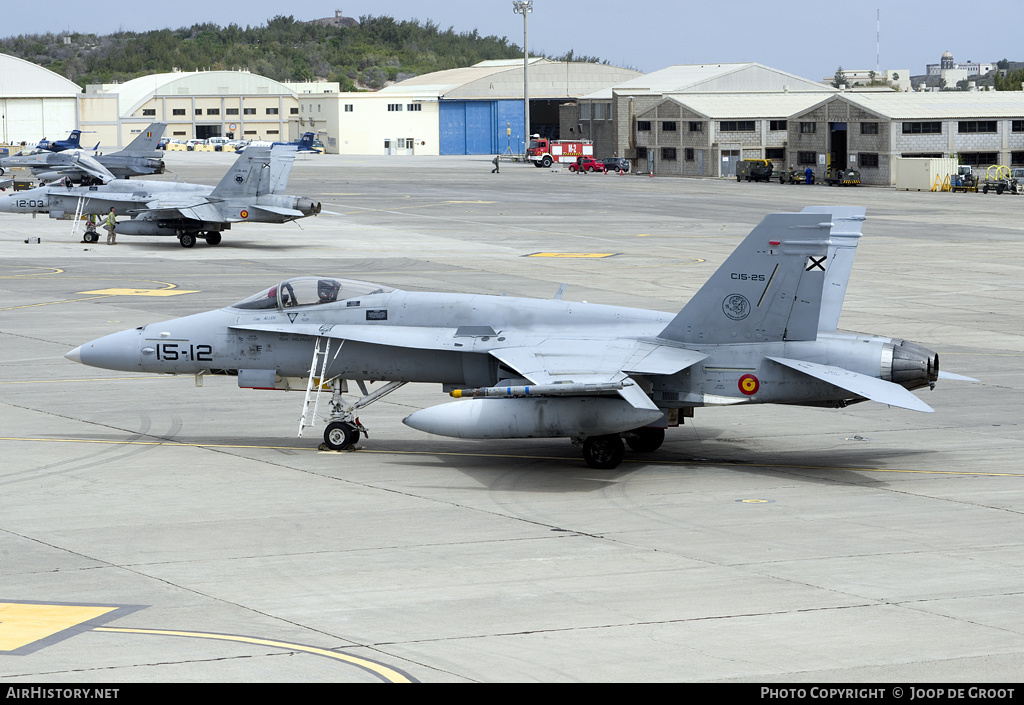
(248, 111)
(293, 111)
(979, 158)
(414, 107)
(775, 153)
(668, 154)
(869, 128)
(199, 111)
(272, 132)
(178, 111)
(149, 112)
(643, 126)
(394, 107)
(689, 154)
(231, 111)
(806, 158)
(696, 127)
(736, 126)
(976, 126)
(182, 133)
(808, 128)
(777, 125)
(922, 128)
(271, 111)
(249, 132)
(668, 126)
(349, 107)
(641, 152)
(213, 111)
(868, 160)
(1017, 158)
(1018, 126)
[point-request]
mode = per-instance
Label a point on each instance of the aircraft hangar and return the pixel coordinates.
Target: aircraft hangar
(472, 110)
(34, 102)
(196, 104)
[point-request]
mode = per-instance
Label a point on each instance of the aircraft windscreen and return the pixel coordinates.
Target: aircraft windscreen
(310, 291)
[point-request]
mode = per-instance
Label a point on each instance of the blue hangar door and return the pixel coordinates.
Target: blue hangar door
(480, 126)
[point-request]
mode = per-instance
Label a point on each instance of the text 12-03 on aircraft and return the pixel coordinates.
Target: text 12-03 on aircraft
(761, 330)
(252, 191)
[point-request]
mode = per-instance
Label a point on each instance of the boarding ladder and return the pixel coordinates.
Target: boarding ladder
(321, 359)
(78, 216)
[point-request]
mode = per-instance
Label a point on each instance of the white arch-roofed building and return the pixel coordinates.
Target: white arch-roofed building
(35, 102)
(196, 104)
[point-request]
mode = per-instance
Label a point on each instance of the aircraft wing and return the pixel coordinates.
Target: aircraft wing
(546, 360)
(868, 387)
(190, 208)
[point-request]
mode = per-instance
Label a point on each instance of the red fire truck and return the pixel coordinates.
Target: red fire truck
(544, 152)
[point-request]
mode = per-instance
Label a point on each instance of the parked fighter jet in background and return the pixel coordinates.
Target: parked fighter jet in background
(139, 158)
(761, 330)
(251, 191)
(306, 143)
(72, 142)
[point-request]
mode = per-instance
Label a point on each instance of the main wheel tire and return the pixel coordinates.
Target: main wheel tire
(603, 452)
(646, 440)
(213, 238)
(340, 435)
(187, 240)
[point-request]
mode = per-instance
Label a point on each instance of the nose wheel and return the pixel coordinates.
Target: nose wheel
(339, 435)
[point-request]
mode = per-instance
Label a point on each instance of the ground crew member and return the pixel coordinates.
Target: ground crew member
(111, 222)
(494, 161)
(809, 176)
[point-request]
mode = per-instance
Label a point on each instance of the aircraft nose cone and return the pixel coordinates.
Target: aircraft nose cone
(118, 351)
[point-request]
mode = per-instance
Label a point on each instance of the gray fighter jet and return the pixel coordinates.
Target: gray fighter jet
(761, 330)
(139, 158)
(251, 192)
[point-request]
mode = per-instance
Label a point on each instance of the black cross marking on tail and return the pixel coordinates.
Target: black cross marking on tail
(816, 263)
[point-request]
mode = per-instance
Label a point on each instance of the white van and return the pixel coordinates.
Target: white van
(217, 142)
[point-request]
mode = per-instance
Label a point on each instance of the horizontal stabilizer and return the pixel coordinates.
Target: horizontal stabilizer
(956, 377)
(863, 386)
(289, 212)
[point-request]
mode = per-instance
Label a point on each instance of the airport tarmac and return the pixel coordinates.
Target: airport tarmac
(154, 531)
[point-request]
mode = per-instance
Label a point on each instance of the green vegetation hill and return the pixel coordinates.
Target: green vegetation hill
(367, 55)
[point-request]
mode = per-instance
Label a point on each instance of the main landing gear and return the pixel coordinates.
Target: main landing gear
(188, 239)
(607, 452)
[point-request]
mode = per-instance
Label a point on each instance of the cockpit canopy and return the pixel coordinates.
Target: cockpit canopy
(310, 291)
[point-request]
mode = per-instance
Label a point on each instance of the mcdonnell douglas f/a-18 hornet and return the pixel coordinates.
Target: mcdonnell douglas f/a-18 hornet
(251, 192)
(761, 330)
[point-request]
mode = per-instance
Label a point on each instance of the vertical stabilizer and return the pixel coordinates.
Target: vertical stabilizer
(843, 236)
(769, 289)
(248, 176)
(282, 157)
(145, 142)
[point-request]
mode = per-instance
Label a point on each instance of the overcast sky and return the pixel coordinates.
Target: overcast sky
(809, 39)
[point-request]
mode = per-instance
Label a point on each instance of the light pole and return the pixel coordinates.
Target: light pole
(524, 7)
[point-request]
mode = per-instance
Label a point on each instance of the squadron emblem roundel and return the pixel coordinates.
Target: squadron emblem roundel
(736, 307)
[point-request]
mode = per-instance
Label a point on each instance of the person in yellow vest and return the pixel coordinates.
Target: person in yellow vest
(111, 223)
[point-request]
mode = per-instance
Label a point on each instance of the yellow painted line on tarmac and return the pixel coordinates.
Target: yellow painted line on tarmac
(139, 292)
(22, 624)
(387, 673)
(51, 303)
(49, 270)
